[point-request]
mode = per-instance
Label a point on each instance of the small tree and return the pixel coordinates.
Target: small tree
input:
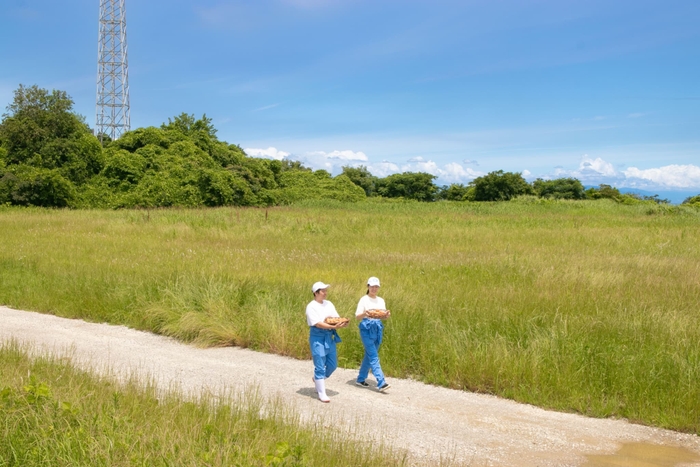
(409, 185)
(455, 192)
(362, 177)
(693, 200)
(560, 188)
(604, 191)
(656, 199)
(500, 186)
(37, 118)
(47, 149)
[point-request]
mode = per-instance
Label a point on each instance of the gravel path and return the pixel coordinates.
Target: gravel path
(427, 421)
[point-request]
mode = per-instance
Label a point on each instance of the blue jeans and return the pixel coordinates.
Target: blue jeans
(323, 351)
(371, 333)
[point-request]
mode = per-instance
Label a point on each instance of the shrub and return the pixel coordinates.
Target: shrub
(409, 185)
(560, 188)
(500, 186)
(456, 192)
(692, 200)
(362, 177)
(25, 185)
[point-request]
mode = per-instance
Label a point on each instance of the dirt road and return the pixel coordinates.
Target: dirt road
(427, 421)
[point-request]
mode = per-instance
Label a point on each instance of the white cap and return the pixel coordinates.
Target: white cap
(373, 281)
(318, 286)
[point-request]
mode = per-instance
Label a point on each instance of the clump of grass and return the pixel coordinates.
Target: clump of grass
(55, 414)
(574, 305)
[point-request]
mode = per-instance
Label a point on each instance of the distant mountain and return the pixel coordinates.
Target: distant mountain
(676, 197)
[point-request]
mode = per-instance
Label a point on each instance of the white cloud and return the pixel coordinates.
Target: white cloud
(455, 173)
(596, 166)
(669, 176)
(269, 153)
(446, 174)
(344, 155)
(425, 166)
(592, 172)
(383, 169)
(471, 162)
(526, 173)
(596, 171)
(334, 161)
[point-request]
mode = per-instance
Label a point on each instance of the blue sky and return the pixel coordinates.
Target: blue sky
(606, 91)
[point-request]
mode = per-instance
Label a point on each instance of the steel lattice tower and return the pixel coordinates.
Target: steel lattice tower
(113, 117)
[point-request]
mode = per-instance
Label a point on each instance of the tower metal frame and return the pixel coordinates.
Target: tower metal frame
(113, 113)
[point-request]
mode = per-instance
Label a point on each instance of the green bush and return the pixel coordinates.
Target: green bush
(560, 188)
(25, 185)
(300, 185)
(361, 177)
(456, 192)
(692, 200)
(500, 186)
(409, 185)
(46, 150)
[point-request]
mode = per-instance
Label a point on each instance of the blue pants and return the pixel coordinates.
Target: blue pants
(323, 351)
(371, 333)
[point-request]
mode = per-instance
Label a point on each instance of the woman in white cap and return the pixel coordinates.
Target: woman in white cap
(322, 337)
(371, 332)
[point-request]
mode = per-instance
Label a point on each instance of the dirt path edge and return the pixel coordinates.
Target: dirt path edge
(428, 422)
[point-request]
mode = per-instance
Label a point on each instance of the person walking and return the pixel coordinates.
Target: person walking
(322, 337)
(371, 333)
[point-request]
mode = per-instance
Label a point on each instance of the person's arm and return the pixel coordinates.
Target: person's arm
(388, 312)
(324, 325)
(360, 312)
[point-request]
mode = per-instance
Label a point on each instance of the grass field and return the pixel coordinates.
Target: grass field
(591, 307)
(53, 414)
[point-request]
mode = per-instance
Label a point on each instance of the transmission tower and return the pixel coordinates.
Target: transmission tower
(113, 117)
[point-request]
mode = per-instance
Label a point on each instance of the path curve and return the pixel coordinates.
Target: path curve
(427, 421)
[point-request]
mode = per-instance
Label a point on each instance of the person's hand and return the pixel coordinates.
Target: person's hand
(388, 313)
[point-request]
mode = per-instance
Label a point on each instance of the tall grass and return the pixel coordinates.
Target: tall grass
(54, 414)
(578, 306)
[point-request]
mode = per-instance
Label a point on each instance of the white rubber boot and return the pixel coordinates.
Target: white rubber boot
(321, 390)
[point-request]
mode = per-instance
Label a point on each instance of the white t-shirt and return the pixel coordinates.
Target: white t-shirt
(368, 303)
(317, 312)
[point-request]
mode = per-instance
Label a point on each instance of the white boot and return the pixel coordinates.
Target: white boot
(321, 390)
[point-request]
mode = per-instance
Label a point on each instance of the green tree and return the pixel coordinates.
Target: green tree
(25, 185)
(409, 185)
(456, 192)
(604, 192)
(559, 188)
(500, 186)
(296, 185)
(190, 126)
(693, 200)
(47, 149)
(655, 198)
(362, 177)
(41, 130)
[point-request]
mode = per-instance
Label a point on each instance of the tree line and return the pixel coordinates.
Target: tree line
(49, 157)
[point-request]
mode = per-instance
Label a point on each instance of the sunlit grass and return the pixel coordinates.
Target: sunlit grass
(578, 306)
(54, 414)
